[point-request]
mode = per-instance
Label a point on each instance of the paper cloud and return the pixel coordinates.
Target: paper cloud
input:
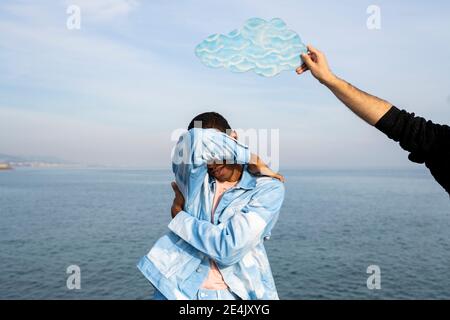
(266, 47)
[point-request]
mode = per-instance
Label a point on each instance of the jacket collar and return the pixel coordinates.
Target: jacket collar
(247, 181)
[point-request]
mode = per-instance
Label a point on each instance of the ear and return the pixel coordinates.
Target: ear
(234, 134)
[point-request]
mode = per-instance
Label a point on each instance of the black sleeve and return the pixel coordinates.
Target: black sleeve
(426, 141)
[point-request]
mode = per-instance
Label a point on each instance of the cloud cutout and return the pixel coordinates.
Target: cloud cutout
(266, 47)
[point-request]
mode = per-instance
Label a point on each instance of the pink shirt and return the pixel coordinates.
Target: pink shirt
(214, 280)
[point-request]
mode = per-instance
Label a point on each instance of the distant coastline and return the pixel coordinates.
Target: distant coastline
(8, 162)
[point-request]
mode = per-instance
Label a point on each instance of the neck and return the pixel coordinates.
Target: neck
(237, 173)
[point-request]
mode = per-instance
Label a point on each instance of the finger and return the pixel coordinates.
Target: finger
(312, 49)
(280, 177)
(307, 60)
(301, 69)
(299, 72)
(175, 187)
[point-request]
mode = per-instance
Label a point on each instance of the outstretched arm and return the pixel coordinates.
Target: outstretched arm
(426, 141)
(366, 106)
(229, 241)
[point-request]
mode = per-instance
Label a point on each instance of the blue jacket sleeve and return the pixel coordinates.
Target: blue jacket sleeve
(229, 241)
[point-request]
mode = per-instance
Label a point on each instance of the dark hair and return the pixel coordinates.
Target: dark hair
(211, 120)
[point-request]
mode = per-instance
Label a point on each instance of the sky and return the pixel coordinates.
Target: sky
(114, 91)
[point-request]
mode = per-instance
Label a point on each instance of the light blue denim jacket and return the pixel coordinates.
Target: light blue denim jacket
(178, 263)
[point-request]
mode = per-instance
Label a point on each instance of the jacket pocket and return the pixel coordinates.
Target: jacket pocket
(170, 254)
